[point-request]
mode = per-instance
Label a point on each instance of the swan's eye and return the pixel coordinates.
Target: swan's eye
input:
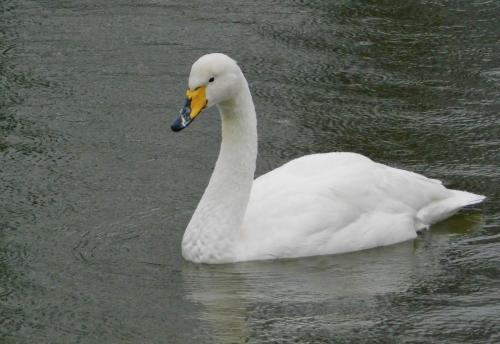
(211, 79)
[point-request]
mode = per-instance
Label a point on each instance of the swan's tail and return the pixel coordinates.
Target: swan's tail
(445, 208)
(467, 198)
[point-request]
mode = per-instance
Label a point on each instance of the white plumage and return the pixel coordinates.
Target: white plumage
(314, 205)
(342, 202)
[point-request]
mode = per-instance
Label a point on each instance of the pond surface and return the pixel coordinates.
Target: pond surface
(95, 190)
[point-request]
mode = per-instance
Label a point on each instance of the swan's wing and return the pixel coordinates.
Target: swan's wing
(335, 202)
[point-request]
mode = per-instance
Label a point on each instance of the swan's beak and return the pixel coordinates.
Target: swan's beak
(196, 101)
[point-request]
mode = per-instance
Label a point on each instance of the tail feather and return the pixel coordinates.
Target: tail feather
(468, 198)
(445, 208)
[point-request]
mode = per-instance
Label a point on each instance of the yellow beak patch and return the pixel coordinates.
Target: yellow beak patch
(198, 100)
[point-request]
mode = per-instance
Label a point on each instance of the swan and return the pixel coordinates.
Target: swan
(317, 204)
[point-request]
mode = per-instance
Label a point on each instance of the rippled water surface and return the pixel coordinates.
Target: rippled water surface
(95, 189)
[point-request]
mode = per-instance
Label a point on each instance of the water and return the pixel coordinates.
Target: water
(96, 190)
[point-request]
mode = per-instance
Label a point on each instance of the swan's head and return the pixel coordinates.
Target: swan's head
(214, 79)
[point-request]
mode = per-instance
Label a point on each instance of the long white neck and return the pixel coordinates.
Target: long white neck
(214, 229)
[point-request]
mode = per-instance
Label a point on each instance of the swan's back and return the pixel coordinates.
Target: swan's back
(340, 202)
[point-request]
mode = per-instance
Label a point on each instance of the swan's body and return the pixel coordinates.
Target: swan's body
(314, 205)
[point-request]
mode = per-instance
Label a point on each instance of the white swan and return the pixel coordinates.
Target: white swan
(314, 205)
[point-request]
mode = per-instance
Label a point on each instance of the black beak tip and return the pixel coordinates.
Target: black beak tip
(180, 123)
(184, 119)
(176, 127)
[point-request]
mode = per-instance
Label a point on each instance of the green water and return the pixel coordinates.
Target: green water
(95, 190)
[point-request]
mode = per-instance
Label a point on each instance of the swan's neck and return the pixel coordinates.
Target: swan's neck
(214, 229)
